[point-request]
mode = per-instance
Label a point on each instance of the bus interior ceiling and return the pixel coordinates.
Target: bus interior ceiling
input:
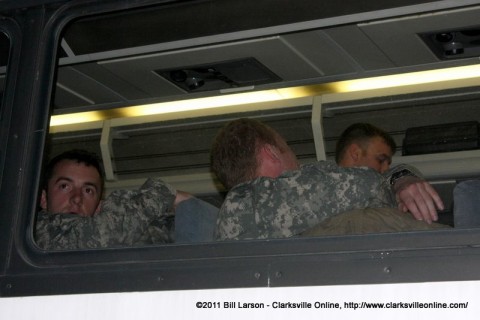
(106, 62)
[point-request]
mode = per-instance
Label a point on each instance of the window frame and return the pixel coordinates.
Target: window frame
(365, 259)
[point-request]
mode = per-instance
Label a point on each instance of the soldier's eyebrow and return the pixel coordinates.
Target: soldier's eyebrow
(62, 178)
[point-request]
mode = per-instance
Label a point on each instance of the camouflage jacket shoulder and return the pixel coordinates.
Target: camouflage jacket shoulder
(298, 200)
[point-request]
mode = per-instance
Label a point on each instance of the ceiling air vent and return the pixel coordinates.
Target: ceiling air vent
(456, 44)
(220, 76)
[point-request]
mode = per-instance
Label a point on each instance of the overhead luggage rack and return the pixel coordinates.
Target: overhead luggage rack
(448, 137)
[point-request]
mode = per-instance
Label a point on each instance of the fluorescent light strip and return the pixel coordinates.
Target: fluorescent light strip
(169, 107)
(407, 79)
(391, 81)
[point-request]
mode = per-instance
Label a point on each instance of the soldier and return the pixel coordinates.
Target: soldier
(364, 145)
(270, 196)
(74, 217)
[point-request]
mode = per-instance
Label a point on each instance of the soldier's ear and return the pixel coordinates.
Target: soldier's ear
(354, 152)
(272, 152)
(43, 200)
(99, 207)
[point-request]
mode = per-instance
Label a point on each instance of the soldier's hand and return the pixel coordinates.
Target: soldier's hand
(419, 198)
(181, 196)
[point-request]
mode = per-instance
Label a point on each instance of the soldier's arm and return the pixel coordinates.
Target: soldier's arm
(124, 217)
(414, 194)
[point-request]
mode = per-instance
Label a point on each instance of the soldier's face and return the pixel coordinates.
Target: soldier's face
(73, 188)
(288, 158)
(377, 155)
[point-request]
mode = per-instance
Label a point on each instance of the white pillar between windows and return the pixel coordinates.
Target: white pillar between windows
(107, 151)
(317, 127)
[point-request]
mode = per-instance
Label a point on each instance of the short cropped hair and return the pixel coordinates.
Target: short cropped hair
(361, 133)
(234, 151)
(80, 156)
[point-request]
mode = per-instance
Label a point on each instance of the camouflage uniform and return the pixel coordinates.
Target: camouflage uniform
(127, 218)
(298, 200)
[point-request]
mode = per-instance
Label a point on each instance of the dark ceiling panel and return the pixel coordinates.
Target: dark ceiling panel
(192, 19)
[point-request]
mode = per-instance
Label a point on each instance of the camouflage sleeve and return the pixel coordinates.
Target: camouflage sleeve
(236, 218)
(298, 200)
(125, 218)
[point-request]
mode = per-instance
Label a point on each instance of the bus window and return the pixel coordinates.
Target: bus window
(147, 103)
